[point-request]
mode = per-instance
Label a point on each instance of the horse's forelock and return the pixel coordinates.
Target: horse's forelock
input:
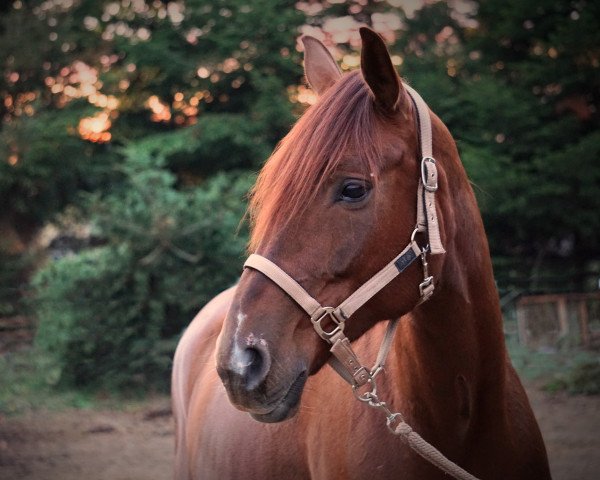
(342, 120)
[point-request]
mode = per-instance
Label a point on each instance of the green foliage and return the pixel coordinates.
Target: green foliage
(219, 142)
(42, 182)
(540, 62)
(582, 378)
(111, 316)
(518, 89)
(139, 51)
(13, 279)
(26, 380)
(156, 194)
(29, 381)
(585, 378)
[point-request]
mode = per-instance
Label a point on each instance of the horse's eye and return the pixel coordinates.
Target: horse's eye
(354, 190)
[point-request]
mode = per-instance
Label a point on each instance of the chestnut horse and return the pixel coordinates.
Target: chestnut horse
(253, 394)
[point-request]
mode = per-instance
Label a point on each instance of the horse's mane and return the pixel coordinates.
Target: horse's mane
(341, 121)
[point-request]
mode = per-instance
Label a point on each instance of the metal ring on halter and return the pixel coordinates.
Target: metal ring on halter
(425, 249)
(320, 315)
(414, 233)
(365, 396)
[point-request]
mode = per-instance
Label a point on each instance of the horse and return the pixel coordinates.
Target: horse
(253, 389)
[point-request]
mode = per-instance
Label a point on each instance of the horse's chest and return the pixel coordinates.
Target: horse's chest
(248, 450)
(354, 443)
(335, 438)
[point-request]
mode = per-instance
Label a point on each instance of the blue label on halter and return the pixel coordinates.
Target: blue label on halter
(405, 260)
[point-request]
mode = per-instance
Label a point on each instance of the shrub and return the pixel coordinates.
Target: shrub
(13, 273)
(581, 378)
(111, 316)
(585, 378)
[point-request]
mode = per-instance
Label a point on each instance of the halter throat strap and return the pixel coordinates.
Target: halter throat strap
(329, 322)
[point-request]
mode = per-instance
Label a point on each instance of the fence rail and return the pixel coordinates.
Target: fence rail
(553, 320)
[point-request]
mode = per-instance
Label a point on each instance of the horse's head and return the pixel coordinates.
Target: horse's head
(336, 202)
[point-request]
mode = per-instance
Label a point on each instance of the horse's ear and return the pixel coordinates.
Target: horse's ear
(378, 70)
(319, 66)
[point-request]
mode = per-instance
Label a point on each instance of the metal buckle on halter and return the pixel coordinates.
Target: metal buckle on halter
(428, 163)
(426, 286)
(320, 315)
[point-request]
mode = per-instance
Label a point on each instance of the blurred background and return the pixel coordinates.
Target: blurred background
(131, 131)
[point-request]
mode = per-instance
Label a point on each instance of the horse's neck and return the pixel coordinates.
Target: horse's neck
(450, 355)
(461, 325)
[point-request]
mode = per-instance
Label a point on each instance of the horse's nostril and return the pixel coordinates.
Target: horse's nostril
(253, 366)
(252, 361)
(243, 369)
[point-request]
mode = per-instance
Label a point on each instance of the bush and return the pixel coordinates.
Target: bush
(585, 378)
(111, 316)
(13, 272)
(581, 378)
(572, 370)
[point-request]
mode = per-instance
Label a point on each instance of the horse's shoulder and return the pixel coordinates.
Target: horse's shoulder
(524, 431)
(195, 349)
(206, 323)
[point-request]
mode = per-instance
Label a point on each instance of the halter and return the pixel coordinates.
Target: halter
(329, 322)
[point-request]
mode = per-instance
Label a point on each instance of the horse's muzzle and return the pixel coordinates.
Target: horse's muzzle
(245, 373)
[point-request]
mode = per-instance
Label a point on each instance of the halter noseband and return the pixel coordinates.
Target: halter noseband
(344, 360)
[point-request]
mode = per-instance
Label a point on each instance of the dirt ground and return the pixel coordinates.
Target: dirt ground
(137, 444)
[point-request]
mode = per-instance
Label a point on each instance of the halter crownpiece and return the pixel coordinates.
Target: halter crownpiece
(426, 213)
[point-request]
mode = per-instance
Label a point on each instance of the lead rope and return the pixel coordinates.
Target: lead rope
(344, 359)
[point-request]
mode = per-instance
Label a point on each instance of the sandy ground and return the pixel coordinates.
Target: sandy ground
(137, 444)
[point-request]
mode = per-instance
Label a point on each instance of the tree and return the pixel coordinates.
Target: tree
(144, 118)
(543, 58)
(128, 113)
(82, 78)
(517, 84)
